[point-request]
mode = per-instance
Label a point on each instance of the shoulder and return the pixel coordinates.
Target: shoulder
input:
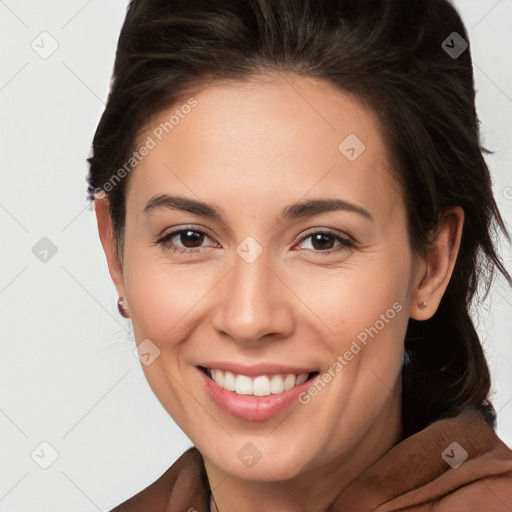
(491, 488)
(183, 482)
(484, 481)
(492, 494)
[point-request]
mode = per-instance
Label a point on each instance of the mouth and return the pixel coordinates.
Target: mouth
(257, 385)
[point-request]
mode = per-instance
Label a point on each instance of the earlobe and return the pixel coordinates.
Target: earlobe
(108, 241)
(440, 262)
(422, 305)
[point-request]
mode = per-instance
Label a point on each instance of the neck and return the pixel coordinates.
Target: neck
(316, 489)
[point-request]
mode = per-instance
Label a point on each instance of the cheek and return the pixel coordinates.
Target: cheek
(163, 295)
(355, 296)
(163, 298)
(362, 310)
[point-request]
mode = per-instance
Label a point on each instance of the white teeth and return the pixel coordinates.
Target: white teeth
(303, 377)
(243, 385)
(229, 381)
(262, 385)
(289, 382)
(276, 384)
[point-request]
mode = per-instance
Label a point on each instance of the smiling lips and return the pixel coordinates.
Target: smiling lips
(254, 393)
(260, 380)
(257, 392)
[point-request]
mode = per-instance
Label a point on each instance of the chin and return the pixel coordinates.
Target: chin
(248, 463)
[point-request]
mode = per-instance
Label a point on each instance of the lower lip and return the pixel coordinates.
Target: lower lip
(250, 407)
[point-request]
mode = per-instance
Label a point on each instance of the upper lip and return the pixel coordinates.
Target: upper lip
(256, 369)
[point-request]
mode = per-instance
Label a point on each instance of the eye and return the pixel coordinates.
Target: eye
(191, 239)
(322, 242)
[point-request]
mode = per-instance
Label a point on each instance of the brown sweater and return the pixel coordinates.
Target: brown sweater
(425, 472)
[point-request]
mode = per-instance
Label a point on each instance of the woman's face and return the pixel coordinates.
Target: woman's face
(263, 288)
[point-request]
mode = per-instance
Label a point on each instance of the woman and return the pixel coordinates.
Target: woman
(296, 215)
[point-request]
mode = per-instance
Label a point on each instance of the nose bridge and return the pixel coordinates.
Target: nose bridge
(253, 303)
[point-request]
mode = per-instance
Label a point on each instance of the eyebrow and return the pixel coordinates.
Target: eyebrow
(292, 211)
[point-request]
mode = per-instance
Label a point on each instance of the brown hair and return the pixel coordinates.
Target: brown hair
(388, 53)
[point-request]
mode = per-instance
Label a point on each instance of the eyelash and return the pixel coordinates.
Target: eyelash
(345, 243)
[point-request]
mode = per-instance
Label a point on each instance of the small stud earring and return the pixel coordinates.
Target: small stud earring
(121, 308)
(422, 305)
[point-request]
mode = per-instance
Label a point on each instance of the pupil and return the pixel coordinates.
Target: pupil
(317, 238)
(192, 235)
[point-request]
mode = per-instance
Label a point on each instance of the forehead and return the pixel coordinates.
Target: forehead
(290, 134)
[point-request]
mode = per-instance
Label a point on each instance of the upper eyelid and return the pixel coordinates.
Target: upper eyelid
(175, 232)
(329, 231)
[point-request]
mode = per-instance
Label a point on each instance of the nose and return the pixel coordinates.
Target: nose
(254, 303)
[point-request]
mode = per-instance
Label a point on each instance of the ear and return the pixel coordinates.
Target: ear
(437, 268)
(108, 241)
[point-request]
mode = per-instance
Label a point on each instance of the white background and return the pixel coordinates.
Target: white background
(68, 375)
